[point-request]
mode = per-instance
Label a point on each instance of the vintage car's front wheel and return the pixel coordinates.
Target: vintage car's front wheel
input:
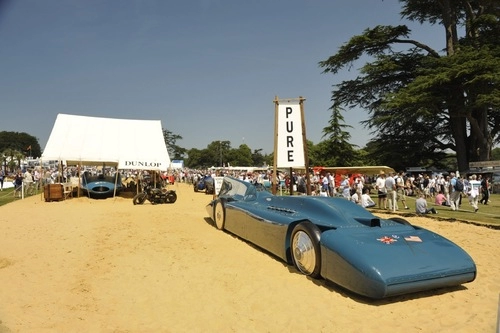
(305, 249)
(219, 215)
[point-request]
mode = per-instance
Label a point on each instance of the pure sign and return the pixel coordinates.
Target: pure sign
(290, 148)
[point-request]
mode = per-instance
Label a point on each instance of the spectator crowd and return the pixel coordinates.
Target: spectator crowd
(390, 190)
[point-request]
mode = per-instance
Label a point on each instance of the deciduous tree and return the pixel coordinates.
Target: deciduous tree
(20, 141)
(175, 152)
(418, 95)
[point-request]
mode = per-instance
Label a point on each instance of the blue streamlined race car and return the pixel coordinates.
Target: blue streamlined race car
(340, 241)
(100, 186)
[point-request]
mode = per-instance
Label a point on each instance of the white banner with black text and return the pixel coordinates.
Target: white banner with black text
(290, 145)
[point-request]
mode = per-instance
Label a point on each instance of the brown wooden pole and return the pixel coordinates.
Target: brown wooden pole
(275, 162)
(304, 141)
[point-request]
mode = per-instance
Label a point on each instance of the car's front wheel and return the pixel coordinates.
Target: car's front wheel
(305, 249)
(220, 215)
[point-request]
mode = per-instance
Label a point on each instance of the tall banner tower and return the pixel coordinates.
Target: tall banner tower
(290, 148)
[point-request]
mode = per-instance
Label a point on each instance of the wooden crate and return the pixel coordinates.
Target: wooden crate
(53, 192)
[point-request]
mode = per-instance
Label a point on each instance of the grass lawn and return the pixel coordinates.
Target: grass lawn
(7, 196)
(487, 214)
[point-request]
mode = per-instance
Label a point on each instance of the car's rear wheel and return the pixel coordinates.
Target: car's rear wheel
(305, 249)
(220, 215)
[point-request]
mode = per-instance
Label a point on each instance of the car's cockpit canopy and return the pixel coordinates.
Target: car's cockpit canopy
(239, 190)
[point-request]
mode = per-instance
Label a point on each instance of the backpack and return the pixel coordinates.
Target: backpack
(459, 185)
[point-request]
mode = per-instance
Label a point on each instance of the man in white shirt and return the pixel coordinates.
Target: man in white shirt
(366, 200)
(346, 187)
(331, 185)
(28, 182)
(390, 186)
(359, 187)
(355, 198)
(325, 181)
(473, 192)
(381, 191)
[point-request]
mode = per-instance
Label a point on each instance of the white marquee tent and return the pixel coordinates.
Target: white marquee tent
(125, 143)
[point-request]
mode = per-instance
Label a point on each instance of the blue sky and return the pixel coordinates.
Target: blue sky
(208, 69)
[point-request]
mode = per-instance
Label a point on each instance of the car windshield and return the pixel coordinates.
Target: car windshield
(240, 190)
